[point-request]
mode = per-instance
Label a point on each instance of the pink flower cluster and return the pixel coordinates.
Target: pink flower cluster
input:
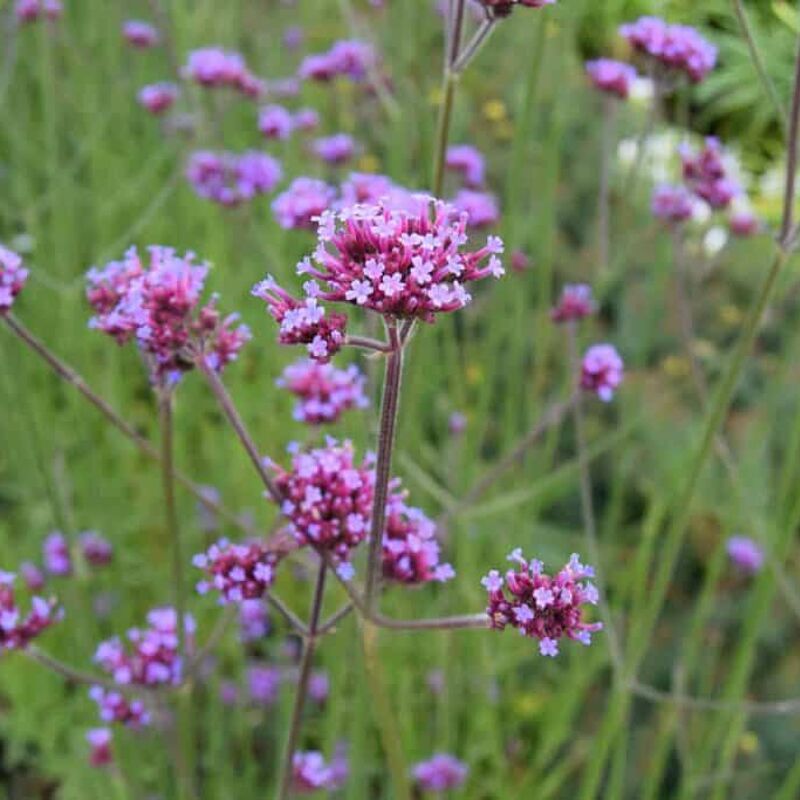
(16, 630)
(746, 554)
(328, 498)
(336, 149)
(232, 178)
(613, 77)
(158, 97)
(152, 658)
(303, 201)
(32, 10)
(440, 773)
(276, 122)
(303, 321)
(467, 161)
(310, 772)
(672, 203)
(324, 392)
(540, 606)
(96, 550)
(677, 47)
(159, 306)
(397, 262)
(348, 58)
(140, 34)
(502, 8)
(410, 549)
(575, 303)
(705, 174)
(13, 277)
(480, 208)
(113, 706)
(602, 371)
(56, 555)
(238, 572)
(214, 67)
(99, 740)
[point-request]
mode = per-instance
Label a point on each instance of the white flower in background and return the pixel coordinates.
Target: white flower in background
(715, 239)
(642, 90)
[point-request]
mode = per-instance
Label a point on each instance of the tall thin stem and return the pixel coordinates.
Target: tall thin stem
(604, 188)
(787, 224)
(306, 662)
(386, 432)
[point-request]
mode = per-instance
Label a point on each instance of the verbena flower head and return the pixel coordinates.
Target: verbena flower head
(744, 223)
(336, 149)
(303, 321)
(745, 554)
(13, 277)
(364, 187)
(440, 773)
(306, 119)
(468, 161)
(158, 97)
(276, 122)
(99, 740)
(238, 572)
(213, 67)
(705, 174)
(32, 576)
(56, 555)
(324, 392)
(544, 607)
(310, 772)
(158, 305)
(480, 207)
(349, 59)
(410, 549)
(672, 203)
(319, 686)
(151, 658)
(602, 371)
(32, 10)
(140, 34)
(96, 550)
(232, 178)
(398, 262)
(264, 683)
(575, 303)
(677, 47)
(113, 706)
(253, 620)
(328, 497)
(612, 77)
(303, 201)
(457, 423)
(16, 629)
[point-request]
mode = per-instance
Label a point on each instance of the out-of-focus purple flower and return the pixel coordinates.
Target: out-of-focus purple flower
(16, 630)
(672, 203)
(480, 207)
(113, 706)
(232, 178)
(253, 620)
(237, 571)
(336, 149)
(435, 681)
(364, 187)
(99, 740)
(575, 303)
(275, 122)
(520, 261)
(502, 8)
(158, 97)
(745, 554)
(602, 371)
(468, 161)
(95, 549)
(305, 199)
(744, 224)
(540, 606)
(612, 77)
(440, 773)
(32, 10)
(228, 693)
(13, 277)
(457, 423)
(705, 174)
(32, 575)
(140, 34)
(306, 119)
(310, 772)
(213, 67)
(348, 58)
(293, 37)
(56, 556)
(319, 686)
(324, 392)
(678, 47)
(263, 683)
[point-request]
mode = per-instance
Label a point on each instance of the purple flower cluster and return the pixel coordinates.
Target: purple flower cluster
(745, 554)
(310, 772)
(263, 683)
(13, 277)
(140, 34)
(99, 740)
(324, 392)
(575, 303)
(253, 620)
(672, 203)
(336, 149)
(32, 10)
(238, 572)
(602, 371)
(612, 77)
(677, 47)
(56, 555)
(276, 122)
(480, 208)
(158, 97)
(113, 706)
(303, 201)
(705, 174)
(440, 773)
(468, 161)
(541, 606)
(16, 630)
(96, 550)
(213, 67)
(348, 58)
(232, 178)
(158, 305)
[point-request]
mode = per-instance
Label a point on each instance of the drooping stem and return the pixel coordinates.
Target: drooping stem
(383, 465)
(237, 423)
(306, 662)
(70, 376)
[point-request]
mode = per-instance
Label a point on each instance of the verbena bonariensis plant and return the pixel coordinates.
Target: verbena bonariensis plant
(404, 259)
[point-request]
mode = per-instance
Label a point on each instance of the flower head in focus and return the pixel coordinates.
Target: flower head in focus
(17, 630)
(239, 572)
(602, 370)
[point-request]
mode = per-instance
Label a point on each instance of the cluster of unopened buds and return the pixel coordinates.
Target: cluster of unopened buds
(17, 630)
